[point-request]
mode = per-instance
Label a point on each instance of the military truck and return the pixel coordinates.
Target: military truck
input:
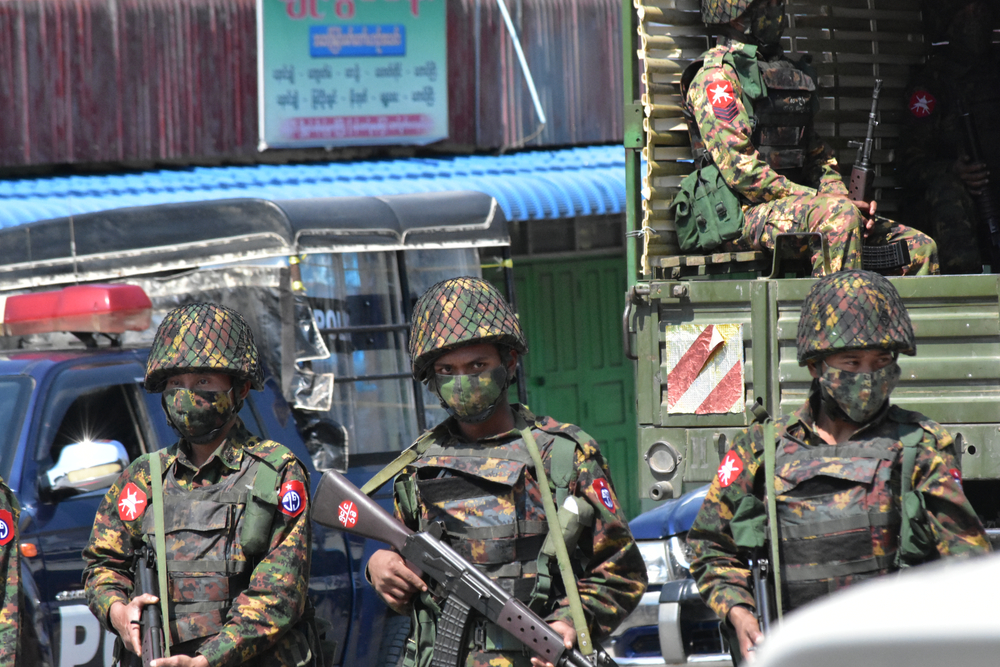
(710, 332)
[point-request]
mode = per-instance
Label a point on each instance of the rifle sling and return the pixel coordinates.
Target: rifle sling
(408, 456)
(562, 554)
(770, 445)
(160, 545)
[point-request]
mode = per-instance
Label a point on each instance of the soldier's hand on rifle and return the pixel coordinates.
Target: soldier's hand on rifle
(569, 638)
(393, 580)
(747, 629)
(867, 209)
(125, 619)
(975, 175)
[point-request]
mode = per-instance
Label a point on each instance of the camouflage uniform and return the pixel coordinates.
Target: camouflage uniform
(932, 139)
(838, 505)
(611, 574)
(812, 197)
(229, 602)
(487, 496)
(11, 572)
(274, 600)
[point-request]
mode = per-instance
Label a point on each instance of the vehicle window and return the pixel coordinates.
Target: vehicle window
(102, 413)
(357, 303)
(94, 404)
(14, 395)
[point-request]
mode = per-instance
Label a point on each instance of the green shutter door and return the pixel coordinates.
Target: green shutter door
(576, 370)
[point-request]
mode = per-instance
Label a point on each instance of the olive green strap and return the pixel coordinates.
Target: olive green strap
(160, 545)
(409, 455)
(552, 516)
(770, 445)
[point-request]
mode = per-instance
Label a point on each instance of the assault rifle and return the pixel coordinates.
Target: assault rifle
(986, 205)
(759, 566)
(152, 621)
(342, 506)
(873, 257)
(863, 173)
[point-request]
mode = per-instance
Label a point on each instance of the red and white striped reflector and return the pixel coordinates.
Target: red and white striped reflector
(704, 369)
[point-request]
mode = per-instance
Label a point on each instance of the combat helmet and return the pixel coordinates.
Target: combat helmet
(723, 11)
(853, 310)
(457, 312)
(203, 337)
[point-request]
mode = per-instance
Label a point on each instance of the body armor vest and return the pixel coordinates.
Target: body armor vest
(779, 97)
(478, 494)
(201, 530)
(838, 516)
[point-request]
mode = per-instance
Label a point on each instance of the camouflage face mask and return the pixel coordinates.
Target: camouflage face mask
(859, 395)
(470, 398)
(196, 414)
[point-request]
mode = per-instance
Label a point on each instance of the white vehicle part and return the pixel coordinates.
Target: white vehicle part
(940, 614)
(71, 652)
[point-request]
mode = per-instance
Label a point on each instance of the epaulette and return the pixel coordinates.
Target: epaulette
(935, 430)
(273, 453)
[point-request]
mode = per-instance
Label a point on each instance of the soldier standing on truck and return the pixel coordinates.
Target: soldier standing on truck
(940, 180)
(752, 114)
(841, 472)
(474, 474)
(234, 551)
(10, 571)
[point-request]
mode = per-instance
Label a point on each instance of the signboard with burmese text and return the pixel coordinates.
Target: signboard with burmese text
(351, 72)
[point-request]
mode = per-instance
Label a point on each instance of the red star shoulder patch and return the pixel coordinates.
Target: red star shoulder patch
(603, 492)
(131, 502)
(922, 103)
(722, 99)
(292, 498)
(6, 527)
(730, 469)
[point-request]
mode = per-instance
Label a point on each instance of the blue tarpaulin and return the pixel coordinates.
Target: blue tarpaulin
(534, 185)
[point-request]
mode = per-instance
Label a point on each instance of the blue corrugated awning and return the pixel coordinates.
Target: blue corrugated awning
(534, 185)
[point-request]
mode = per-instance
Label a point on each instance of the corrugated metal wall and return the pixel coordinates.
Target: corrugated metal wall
(97, 81)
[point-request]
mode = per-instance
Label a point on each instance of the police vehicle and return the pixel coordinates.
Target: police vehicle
(71, 420)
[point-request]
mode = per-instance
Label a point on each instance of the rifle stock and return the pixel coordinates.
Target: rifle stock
(342, 506)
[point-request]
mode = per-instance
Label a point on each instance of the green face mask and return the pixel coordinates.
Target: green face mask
(767, 24)
(858, 395)
(198, 415)
(470, 398)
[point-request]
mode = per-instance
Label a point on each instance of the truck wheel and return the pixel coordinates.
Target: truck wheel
(397, 629)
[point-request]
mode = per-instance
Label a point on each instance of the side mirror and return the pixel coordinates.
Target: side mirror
(85, 466)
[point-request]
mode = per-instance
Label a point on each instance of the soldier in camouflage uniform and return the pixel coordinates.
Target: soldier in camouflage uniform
(237, 563)
(753, 114)
(10, 571)
(932, 159)
(838, 467)
(474, 474)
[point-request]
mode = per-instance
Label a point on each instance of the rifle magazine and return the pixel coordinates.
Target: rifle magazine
(449, 641)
